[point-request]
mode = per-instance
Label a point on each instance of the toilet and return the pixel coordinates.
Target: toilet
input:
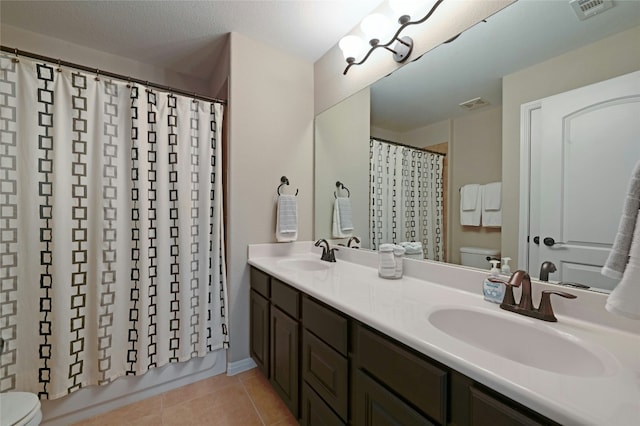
(19, 409)
(476, 257)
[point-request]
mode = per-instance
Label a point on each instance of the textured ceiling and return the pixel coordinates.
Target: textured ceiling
(187, 36)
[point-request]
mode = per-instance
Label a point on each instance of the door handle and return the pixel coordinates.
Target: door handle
(549, 242)
(536, 239)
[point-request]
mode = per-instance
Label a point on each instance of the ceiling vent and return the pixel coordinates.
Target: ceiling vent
(587, 8)
(474, 104)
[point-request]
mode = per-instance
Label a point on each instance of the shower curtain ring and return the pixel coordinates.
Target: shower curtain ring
(59, 67)
(97, 75)
(128, 82)
(15, 60)
(195, 101)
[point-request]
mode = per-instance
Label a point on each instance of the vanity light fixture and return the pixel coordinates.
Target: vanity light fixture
(377, 27)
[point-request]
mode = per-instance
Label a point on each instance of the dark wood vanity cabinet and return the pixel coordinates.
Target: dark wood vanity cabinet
(332, 370)
(275, 335)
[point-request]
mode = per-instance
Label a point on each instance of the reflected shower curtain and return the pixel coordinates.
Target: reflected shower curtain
(110, 229)
(406, 197)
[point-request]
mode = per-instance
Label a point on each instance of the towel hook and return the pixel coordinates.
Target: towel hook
(340, 185)
(285, 181)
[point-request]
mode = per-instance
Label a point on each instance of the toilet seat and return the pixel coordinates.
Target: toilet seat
(19, 409)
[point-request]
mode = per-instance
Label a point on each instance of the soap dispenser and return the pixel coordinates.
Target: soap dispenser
(504, 266)
(493, 292)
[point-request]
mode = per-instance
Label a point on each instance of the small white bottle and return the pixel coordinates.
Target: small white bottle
(386, 262)
(504, 266)
(493, 292)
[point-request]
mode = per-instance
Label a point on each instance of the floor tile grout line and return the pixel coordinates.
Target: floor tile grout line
(255, 407)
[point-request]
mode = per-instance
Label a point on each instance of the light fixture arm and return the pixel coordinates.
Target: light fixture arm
(406, 41)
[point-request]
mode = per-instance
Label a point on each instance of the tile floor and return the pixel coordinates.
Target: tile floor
(244, 400)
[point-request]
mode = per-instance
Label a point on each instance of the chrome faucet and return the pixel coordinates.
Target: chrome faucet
(328, 254)
(546, 268)
(356, 239)
(525, 306)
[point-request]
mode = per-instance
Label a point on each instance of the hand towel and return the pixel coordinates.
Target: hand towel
(287, 218)
(492, 204)
(342, 218)
(470, 217)
(616, 263)
(469, 196)
(625, 298)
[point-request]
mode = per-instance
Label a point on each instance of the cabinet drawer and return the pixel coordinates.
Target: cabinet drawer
(486, 409)
(285, 297)
(326, 323)
(260, 282)
(412, 377)
(315, 412)
(374, 405)
(326, 371)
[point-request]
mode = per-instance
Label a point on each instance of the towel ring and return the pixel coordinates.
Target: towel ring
(285, 181)
(340, 185)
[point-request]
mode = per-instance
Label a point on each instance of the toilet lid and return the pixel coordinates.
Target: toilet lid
(15, 406)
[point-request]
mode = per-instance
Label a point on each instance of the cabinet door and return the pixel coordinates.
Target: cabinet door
(259, 334)
(285, 355)
(315, 411)
(373, 405)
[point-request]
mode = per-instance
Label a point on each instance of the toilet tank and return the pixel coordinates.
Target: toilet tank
(476, 257)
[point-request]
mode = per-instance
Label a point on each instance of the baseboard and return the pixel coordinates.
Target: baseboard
(237, 367)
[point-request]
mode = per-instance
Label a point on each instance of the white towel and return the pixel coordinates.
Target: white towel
(616, 263)
(287, 218)
(469, 196)
(470, 217)
(492, 204)
(625, 298)
(342, 218)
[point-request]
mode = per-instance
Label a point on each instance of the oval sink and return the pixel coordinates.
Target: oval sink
(536, 345)
(304, 264)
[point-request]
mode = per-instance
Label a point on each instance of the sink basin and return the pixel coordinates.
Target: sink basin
(304, 264)
(535, 345)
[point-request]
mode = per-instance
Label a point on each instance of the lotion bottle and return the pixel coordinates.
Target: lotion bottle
(505, 268)
(493, 292)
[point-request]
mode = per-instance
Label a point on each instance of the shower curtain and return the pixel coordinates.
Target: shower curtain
(111, 231)
(406, 197)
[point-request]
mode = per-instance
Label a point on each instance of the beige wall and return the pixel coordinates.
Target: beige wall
(432, 134)
(475, 157)
(342, 154)
(608, 58)
(271, 129)
(71, 52)
(449, 20)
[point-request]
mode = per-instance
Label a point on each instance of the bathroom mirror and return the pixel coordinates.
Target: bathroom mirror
(418, 105)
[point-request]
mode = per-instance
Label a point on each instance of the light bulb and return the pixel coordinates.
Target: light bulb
(352, 46)
(415, 9)
(377, 27)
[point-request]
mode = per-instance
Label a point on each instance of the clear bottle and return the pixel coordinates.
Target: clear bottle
(493, 292)
(504, 266)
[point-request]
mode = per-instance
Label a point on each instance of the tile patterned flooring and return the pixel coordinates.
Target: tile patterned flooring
(244, 400)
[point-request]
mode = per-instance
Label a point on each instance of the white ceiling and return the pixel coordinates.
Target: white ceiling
(186, 36)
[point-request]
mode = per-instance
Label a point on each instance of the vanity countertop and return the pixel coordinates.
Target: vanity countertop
(401, 309)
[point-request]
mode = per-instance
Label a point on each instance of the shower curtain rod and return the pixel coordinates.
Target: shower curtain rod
(97, 71)
(410, 146)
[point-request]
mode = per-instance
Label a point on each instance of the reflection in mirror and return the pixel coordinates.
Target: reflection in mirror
(529, 51)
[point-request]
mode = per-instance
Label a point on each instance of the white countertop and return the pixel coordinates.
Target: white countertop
(401, 308)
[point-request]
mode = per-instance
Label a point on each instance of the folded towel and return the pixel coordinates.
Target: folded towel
(616, 263)
(491, 204)
(411, 247)
(625, 298)
(342, 212)
(287, 218)
(469, 196)
(470, 217)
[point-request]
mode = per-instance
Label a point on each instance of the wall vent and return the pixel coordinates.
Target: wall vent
(585, 9)
(474, 104)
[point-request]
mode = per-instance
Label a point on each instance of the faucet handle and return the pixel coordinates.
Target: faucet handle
(545, 308)
(331, 256)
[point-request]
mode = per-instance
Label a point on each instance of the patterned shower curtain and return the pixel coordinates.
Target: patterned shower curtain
(406, 197)
(111, 231)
